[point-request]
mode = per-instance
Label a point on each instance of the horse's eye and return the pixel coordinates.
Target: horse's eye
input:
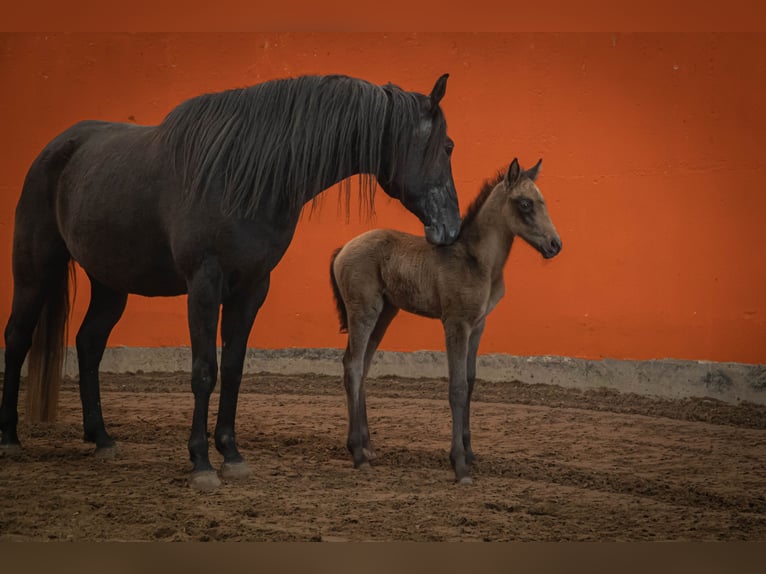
(449, 147)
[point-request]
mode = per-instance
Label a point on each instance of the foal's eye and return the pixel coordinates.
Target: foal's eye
(525, 205)
(449, 147)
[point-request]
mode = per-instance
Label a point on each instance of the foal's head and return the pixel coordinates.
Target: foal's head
(525, 210)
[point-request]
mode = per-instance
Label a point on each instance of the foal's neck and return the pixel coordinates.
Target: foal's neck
(488, 238)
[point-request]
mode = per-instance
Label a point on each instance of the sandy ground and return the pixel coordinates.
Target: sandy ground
(553, 464)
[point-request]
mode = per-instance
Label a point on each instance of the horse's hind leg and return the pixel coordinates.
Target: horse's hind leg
(27, 303)
(362, 320)
(236, 322)
(40, 295)
(105, 309)
(473, 349)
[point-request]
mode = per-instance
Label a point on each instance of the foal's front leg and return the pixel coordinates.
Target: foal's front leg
(457, 335)
(473, 349)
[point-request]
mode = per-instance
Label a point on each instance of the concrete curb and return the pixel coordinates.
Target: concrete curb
(669, 378)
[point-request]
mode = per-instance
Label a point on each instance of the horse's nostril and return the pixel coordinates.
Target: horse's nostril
(556, 245)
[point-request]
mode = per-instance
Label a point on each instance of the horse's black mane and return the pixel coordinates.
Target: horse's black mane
(282, 141)
(486, 190)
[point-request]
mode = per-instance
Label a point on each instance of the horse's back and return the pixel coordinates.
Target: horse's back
(106, 188)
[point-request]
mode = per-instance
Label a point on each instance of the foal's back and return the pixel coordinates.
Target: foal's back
(403, 270)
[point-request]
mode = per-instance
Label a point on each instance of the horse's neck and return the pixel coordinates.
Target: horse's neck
(489, 240)
(350, 167)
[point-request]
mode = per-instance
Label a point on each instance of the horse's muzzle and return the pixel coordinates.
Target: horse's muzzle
(440, 234)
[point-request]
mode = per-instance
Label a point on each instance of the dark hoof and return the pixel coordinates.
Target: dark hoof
(10, 449)
(204, 481)
(235, 471)
(106, 452)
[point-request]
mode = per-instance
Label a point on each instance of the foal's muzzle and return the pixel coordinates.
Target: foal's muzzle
(551, 249)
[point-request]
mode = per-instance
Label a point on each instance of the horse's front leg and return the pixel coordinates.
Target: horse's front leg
(204, 302)
(237, 318)
(473, 349)
(457, 335)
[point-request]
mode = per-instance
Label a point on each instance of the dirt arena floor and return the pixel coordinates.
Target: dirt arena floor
(553, 464)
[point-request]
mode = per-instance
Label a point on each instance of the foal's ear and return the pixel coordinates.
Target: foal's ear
(440, 87)
(532, 172)
(513, 175)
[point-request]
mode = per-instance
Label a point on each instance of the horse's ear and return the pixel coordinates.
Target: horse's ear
(440, 87)
(532, 172)
(513, 175)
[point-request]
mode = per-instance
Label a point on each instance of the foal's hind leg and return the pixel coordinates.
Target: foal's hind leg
(236, 322)
(362, 321)
(105, 309)
(384, 320)
(473, 349)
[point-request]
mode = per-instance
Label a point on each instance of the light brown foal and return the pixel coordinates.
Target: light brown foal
(381, 271)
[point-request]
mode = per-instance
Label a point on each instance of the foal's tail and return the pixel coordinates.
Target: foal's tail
(339, 304)
(46, 355)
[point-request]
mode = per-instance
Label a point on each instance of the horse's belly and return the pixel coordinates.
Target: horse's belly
(135, 262)
(132, 275)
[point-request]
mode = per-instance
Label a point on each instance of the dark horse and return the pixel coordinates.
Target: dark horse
(381, 271)
(205, 203)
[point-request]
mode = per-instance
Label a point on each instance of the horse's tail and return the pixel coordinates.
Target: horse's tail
(339, 304)
(36, 218)
(46, 355)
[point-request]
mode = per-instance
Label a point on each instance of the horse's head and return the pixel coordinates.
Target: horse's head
(526, 212)
(418, 165)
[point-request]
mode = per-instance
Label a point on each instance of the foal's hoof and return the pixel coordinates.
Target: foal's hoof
(205, 481)
(106, 452)
(465, 480)
(235, 471)
(364, 466)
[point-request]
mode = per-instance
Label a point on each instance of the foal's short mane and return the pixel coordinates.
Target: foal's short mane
(281, 142)
(486, 190)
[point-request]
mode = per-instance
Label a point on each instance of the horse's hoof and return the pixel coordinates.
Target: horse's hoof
(369, 453)
(205, 481)
(465, 480)
(105, 452)
(235, 470)
(364, 466)
(10, 449)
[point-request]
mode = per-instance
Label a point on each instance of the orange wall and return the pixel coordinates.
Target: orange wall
(653, 150)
